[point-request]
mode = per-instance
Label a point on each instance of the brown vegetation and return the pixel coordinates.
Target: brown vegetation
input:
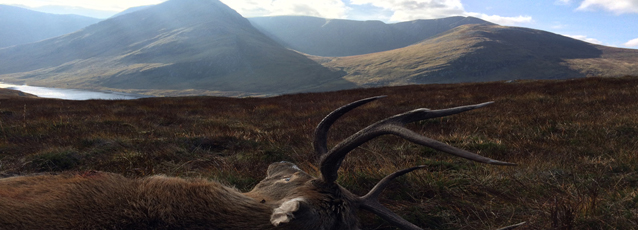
(10, 93)
(574, 141)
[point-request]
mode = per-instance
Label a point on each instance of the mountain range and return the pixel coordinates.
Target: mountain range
(21, 26)
(70, 10)
(203, 47)
(198, 46)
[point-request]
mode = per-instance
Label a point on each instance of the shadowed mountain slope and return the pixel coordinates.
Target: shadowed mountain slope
(198, 45)
(338, 37)
(22, 26)
(478, 53)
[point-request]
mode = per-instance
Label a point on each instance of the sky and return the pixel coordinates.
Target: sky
(605, 22)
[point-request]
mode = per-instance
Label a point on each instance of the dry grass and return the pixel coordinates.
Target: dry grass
(575, 143)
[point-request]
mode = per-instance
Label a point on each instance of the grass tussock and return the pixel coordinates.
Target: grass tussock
(575, 143)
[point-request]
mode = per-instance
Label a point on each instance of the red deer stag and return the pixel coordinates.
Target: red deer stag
(288, 198)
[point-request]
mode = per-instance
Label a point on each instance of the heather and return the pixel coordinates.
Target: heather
(574, 142)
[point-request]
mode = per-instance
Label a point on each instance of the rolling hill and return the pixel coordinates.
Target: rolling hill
(21, 26)
(202, 47)
(479, 53)
(338, 37)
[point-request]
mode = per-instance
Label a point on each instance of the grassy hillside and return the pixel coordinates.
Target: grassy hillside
(575, 143)
(478, 53)
(22, 26)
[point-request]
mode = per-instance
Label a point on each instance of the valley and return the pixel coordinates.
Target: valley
(190, 48)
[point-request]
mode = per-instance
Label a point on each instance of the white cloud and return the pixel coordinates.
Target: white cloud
(585, 38)
(108, 5)
(558, 26)
(615, 6)
(318, 8)
(510, 21)
(406, 10)
(562, 2)
(632, 43)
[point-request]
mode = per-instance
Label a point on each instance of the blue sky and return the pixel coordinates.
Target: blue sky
(596, 21)
(606, 22)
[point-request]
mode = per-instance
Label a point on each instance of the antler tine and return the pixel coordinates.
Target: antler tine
(321, 132)
(383, 183)
(331, 161)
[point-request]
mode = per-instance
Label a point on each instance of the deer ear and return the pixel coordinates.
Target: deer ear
(284, 213)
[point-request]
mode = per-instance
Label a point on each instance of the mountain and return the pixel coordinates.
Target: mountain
(199, 46)
(479, 53)
(338, 37)
(21, 26)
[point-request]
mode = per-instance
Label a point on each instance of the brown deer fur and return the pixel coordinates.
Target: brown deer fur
(100, 200)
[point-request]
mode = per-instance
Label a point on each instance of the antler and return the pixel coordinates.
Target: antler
(321, 132)
(331, 161)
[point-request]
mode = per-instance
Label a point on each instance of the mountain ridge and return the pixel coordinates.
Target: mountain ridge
(479, 53)
(341, 37)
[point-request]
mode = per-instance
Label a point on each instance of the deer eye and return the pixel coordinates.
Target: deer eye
(286, 179)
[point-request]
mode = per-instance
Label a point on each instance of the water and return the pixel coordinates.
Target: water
(71, 94)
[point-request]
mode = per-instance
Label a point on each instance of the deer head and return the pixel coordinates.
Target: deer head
(323, 204)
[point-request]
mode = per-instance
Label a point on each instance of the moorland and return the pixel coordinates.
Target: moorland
(574, 142)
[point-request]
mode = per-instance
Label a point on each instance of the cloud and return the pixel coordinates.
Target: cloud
(615, 6)
(562, 2)
(406, 10)
(558, 26)
(632, 43)
(585, 38)
(317, 8)
(510, 21)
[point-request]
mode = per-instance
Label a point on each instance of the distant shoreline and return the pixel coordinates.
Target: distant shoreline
(71, 94)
